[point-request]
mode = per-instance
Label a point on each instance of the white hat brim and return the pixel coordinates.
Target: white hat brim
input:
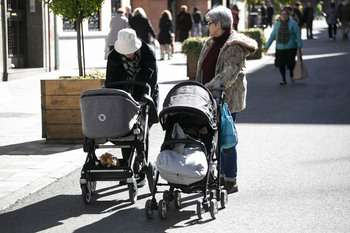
(124, 48)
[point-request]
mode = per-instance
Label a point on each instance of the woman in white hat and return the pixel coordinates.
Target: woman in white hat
(132, 60)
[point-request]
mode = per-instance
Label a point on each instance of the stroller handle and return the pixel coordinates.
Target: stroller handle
(129, 83)
(218, 92)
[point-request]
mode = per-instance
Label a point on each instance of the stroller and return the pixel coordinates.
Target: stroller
(190, 156)
(113, 115)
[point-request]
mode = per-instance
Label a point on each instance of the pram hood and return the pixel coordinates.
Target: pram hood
(107, 113)
(189, 97)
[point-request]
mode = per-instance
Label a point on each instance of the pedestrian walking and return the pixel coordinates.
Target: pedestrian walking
(235, 16)
(118, 22)
(165, 34)
(128, 12)
(287, 35)
(331, 19)
(270, 13)
(142, 25)
(297, 12)
(183, 24)
(197, 22)
(344, 17)
(222, 63)
(263, 14)
(308, 18)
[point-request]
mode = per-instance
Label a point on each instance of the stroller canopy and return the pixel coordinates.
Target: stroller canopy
(192, 98)
(107, 113)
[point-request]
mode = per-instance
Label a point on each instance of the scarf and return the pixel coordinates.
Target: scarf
(132, 65)
(283, 32)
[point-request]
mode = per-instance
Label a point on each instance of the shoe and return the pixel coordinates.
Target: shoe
(292, 80)
(231, 187)
(283, 83)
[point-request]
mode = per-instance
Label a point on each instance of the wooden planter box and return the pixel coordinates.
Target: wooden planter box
(60, 108)
(191, 67)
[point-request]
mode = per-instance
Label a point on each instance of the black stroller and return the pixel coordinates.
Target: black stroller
(112, 114)
(190, 156)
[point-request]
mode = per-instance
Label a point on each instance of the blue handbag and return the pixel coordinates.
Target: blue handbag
(229, 137)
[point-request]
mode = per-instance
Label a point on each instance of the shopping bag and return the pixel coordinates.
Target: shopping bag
(300, 71)
(229, 137)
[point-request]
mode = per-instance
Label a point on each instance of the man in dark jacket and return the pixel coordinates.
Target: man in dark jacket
(183, 24)
(308, 17)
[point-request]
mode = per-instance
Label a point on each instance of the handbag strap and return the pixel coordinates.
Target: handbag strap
(299, 55)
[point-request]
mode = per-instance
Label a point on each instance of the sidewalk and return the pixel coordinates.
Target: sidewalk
(27, 162)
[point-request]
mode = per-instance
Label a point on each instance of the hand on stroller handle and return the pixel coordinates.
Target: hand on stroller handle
(133, 83)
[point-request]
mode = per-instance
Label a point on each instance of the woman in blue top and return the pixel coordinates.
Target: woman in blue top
(287, 35)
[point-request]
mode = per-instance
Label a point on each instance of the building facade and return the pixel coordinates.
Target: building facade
(34, 40)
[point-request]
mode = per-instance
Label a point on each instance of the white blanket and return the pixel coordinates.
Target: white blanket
(182, 165)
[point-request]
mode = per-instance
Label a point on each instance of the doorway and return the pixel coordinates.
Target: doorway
(16, 33)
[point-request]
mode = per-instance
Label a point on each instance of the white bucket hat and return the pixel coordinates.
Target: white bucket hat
(127, 42)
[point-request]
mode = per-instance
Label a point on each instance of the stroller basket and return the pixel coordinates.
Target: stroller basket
(107, 113)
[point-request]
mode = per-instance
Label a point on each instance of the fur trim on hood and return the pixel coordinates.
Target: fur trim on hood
(246, 42)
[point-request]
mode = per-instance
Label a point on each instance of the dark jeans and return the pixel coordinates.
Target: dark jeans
(309, 30)
(229, 160)
(332, 29)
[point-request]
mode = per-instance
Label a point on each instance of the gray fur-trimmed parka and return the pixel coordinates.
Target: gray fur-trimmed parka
(230, 68)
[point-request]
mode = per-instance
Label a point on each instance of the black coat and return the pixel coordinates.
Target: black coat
(166, 28)
(184, 25)
(143, 27)
(148, 72)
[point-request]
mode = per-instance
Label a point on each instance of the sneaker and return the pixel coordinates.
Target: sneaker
(231, 187)
(283, 83)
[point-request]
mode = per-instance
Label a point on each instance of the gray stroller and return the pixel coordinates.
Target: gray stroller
(113, 115)
(189, 160)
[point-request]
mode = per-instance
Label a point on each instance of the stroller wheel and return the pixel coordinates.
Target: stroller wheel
(200, 209)
(86, 194)
(223, 199)
(167, 198)
(213, 208)
(177, 199)
(162, 209)
(133, 192)
(93, 187)
(148, 209)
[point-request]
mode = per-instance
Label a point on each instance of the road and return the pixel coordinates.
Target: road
(293, 164)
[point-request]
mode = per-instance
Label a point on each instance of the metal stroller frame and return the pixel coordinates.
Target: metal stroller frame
(130, 171)
(209, 186)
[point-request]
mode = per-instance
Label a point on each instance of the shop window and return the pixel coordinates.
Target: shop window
(68, 26)
(94, 21)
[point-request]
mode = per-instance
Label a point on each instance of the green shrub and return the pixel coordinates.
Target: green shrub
(193, 46)
(93, 74)
(258, 35)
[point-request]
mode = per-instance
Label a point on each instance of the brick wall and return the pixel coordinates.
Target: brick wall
(154, 8)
